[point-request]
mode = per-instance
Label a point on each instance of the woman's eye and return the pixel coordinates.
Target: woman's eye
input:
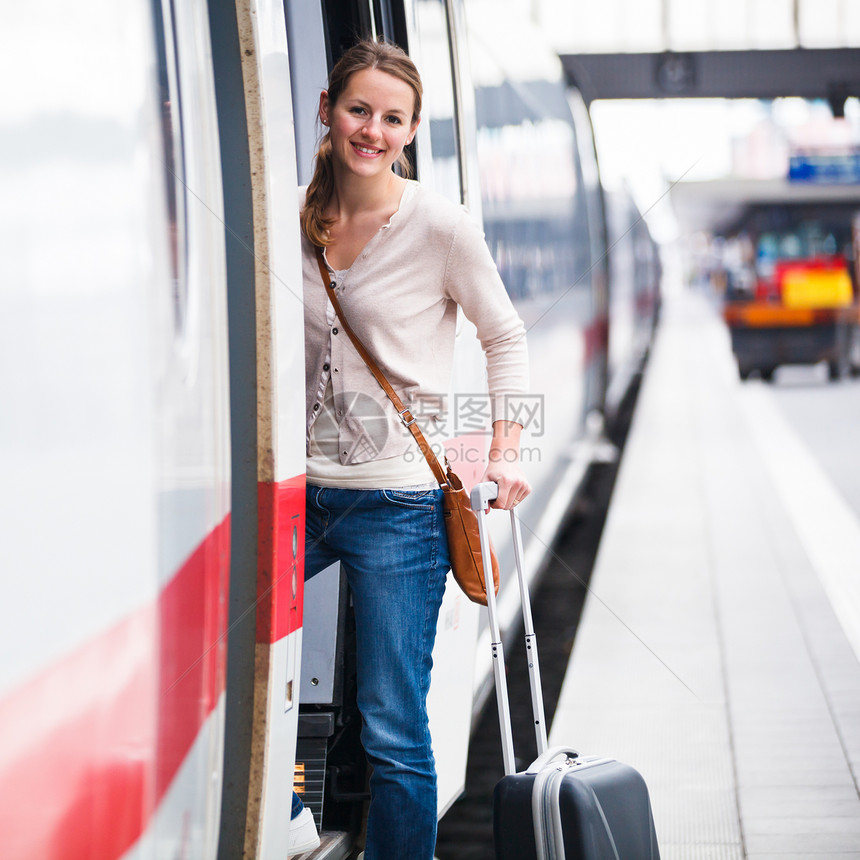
(358, 110)
(394, 120)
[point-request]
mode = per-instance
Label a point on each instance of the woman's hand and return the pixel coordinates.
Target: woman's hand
(503, 467)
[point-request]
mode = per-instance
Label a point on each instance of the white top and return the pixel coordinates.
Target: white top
(324, 468)
(400, 297)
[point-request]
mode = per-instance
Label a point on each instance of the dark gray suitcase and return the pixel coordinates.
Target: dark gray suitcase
(565, 806)
(574, 807)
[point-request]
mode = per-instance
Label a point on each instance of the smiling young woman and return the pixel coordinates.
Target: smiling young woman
(369, 125)
(402, 260)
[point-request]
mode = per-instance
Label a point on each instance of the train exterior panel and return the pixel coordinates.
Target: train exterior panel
(116, 514)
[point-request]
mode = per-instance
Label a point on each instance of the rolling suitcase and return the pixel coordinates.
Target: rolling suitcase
(564, 806)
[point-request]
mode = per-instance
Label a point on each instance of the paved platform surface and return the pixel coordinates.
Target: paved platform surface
(718, 649)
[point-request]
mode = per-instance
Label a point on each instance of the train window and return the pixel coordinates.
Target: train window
(434, 55)
(595, 215)
(173, 157)
(348, 21)
(531, 181)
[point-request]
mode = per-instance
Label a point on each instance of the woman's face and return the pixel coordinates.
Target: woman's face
(370, 123)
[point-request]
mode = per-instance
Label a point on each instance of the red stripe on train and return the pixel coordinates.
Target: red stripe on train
(596, 338)
(280, 574)
(89, 746)
(193, 611)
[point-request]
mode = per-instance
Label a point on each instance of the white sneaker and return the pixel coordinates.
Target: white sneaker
(303, 833)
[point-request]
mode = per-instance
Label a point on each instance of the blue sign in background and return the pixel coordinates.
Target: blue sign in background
(825, 169)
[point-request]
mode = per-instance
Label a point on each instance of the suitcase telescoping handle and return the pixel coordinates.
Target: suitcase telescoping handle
(481, 496)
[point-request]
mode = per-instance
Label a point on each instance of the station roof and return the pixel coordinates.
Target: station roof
(716, 205)
(706, 48)
(827, 73)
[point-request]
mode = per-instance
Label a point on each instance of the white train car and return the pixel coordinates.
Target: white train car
(634, 294)
(161, 660)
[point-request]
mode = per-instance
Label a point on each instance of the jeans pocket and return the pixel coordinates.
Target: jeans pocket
(421, 500)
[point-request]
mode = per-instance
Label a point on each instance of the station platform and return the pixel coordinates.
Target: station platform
(718, 648)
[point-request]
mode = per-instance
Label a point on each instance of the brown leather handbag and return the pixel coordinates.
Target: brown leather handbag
(461, 522)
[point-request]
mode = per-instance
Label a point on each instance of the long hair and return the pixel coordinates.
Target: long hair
(365, 55)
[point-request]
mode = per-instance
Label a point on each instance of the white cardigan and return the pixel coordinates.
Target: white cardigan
(400, 297)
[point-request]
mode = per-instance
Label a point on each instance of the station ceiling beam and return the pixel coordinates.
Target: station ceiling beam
(828, 73)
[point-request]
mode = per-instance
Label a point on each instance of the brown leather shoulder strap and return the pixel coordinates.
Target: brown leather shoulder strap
(405, 415)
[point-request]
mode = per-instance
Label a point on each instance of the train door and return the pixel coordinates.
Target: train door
(330, 773)
(447, 162)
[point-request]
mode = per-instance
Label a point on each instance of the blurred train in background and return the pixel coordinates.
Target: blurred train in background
(165, 674)
(791, 274)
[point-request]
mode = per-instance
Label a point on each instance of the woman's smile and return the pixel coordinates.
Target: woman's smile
(365, 150)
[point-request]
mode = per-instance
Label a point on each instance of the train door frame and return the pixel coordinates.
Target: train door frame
(239, 235)
(249, 49)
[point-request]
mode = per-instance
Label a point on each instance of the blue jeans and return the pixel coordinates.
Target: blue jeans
(394, 551)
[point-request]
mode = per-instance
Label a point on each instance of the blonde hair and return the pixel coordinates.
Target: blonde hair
(388, 58)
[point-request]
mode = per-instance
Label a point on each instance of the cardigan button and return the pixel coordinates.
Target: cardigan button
(334, 331)
(325, 367)
(316, 407)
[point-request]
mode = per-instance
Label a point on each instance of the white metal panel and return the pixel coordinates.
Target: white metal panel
(115, 420)
(175, 833)
(281, 754)
(449, 702)
(281, 446)
(193, 429)
(80, 267)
